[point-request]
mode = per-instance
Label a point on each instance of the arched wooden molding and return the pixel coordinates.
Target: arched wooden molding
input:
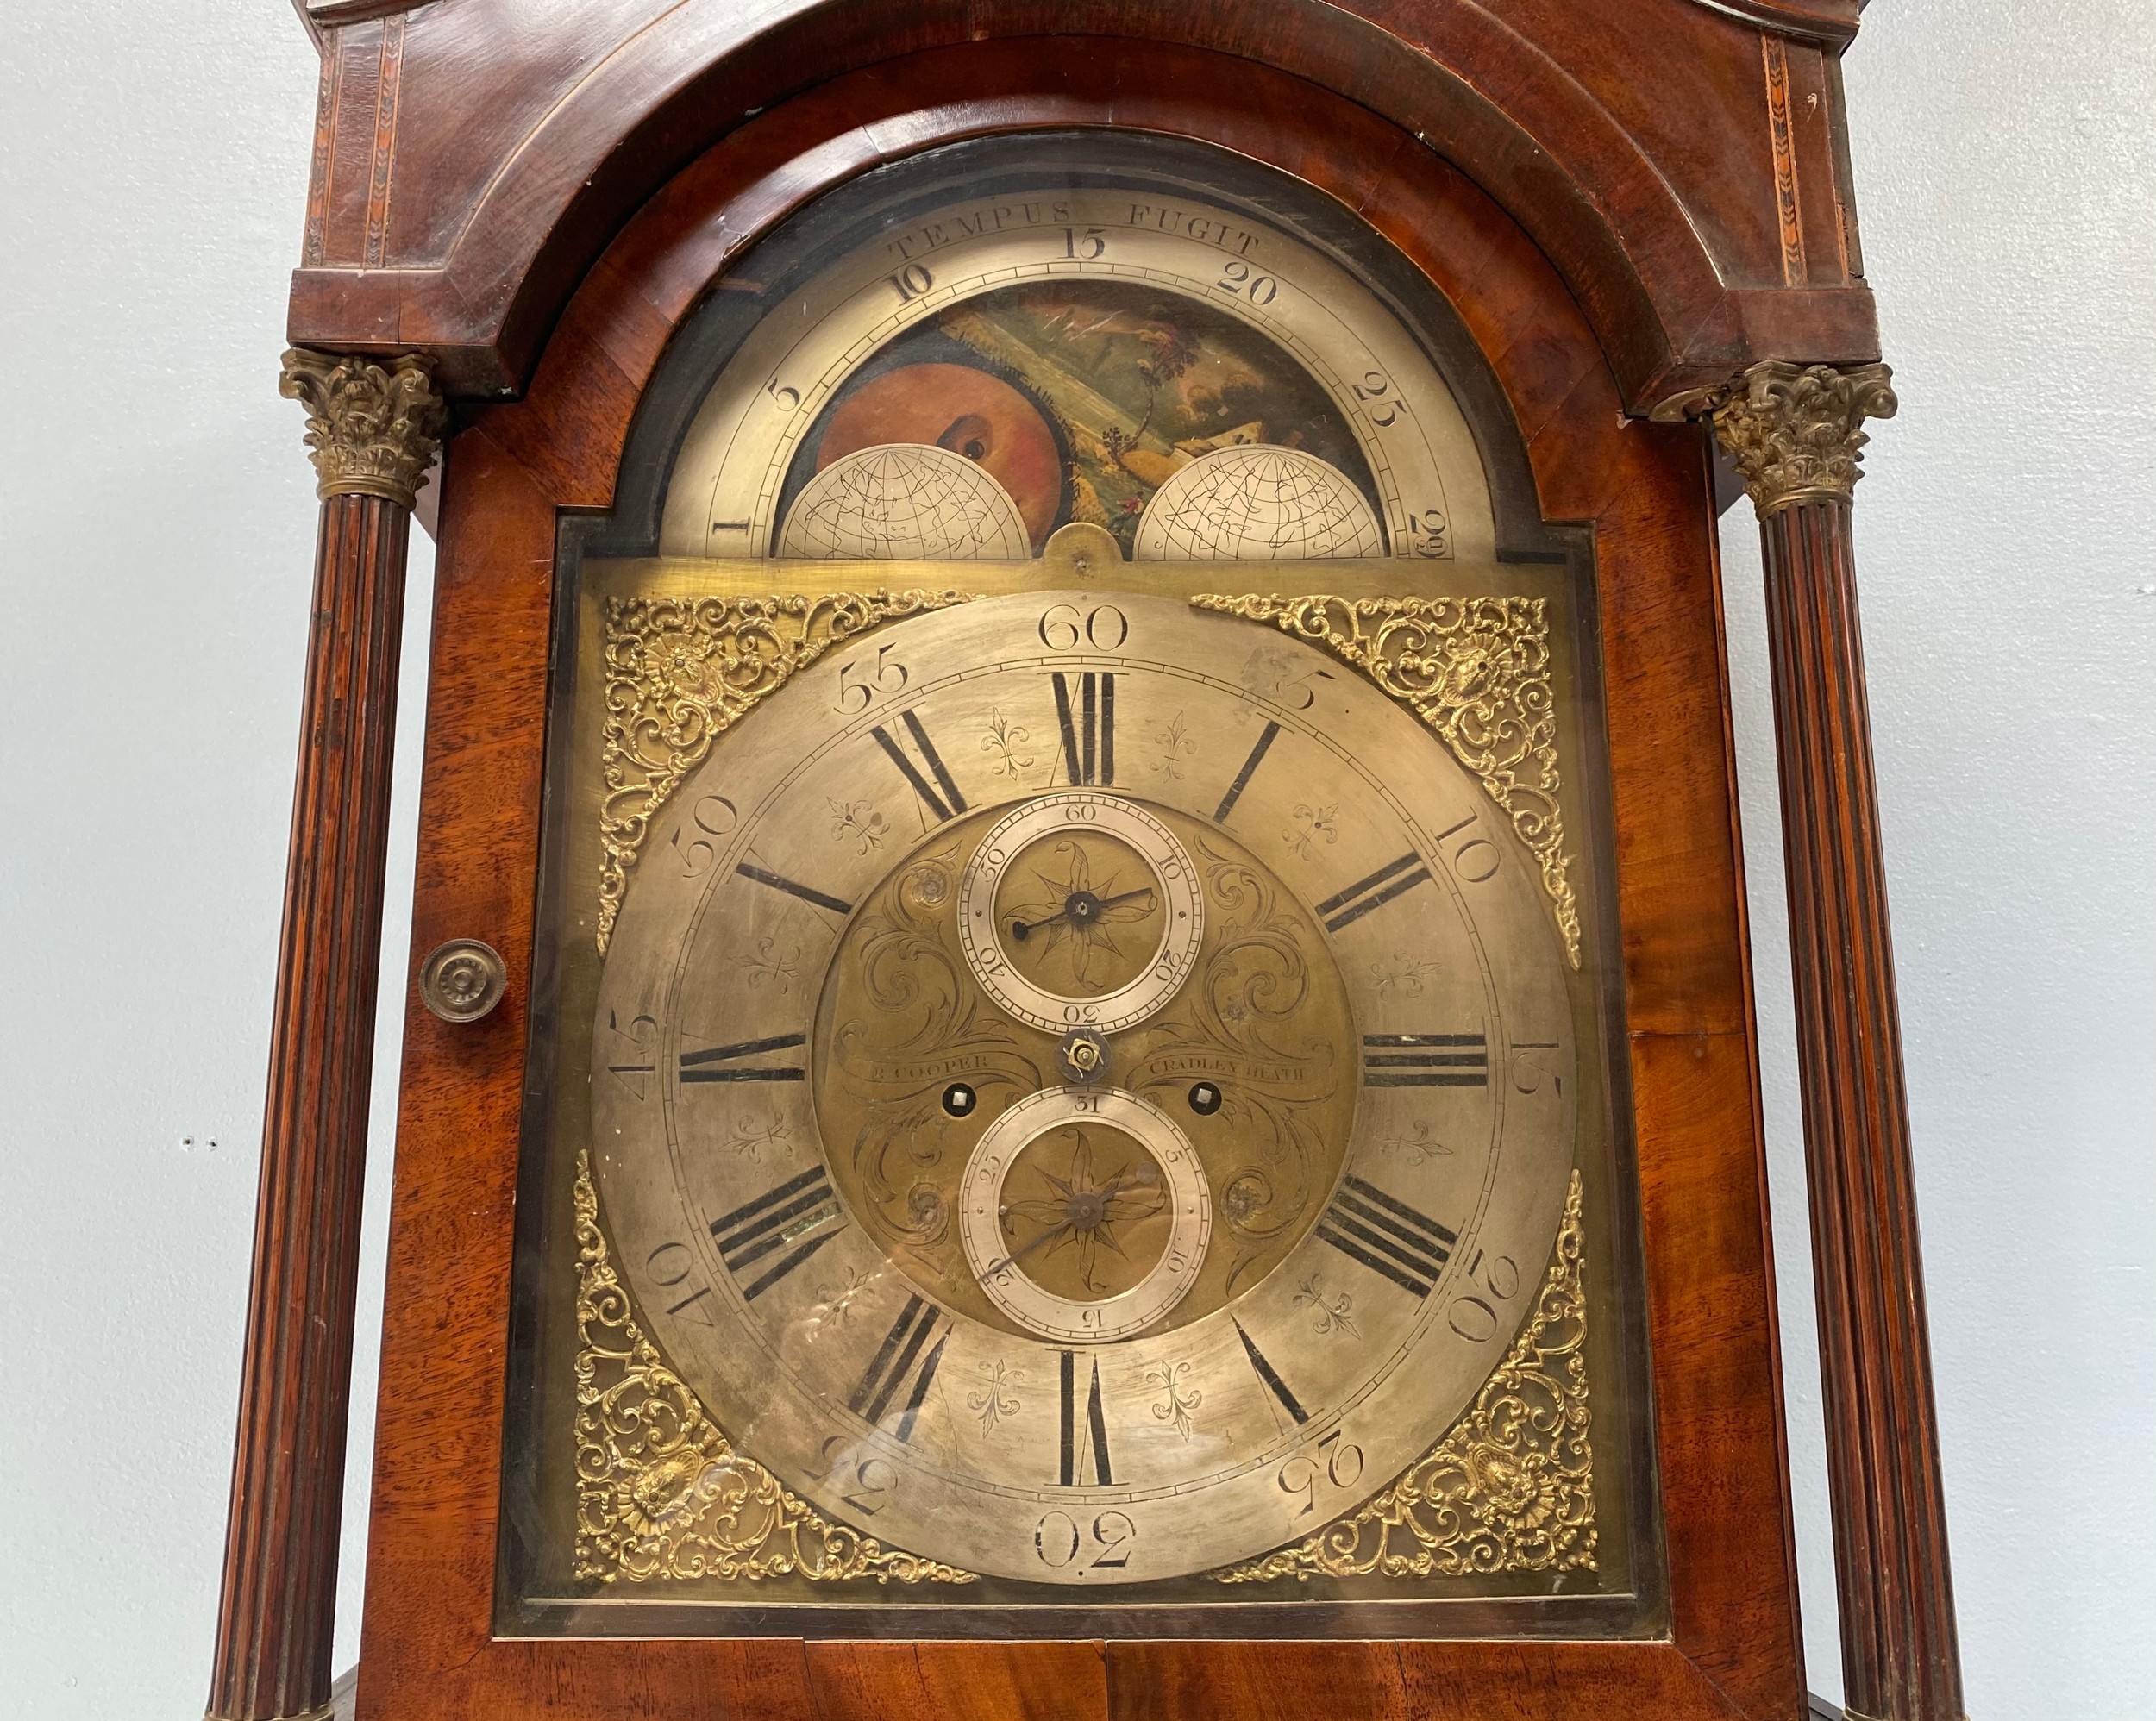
(428, 232)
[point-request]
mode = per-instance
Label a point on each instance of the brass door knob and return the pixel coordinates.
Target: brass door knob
(463, 979)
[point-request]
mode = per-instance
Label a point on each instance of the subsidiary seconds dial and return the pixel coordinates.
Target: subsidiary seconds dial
(1080, 910)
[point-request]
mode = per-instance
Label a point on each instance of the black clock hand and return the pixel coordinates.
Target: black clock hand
(1020, 929)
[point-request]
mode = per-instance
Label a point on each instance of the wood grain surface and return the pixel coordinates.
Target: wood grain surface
(428, 1650)
(278, 1602)
(1901, 1661)
(473, 159)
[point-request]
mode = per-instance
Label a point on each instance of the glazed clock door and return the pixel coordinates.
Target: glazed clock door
(1078, 1088)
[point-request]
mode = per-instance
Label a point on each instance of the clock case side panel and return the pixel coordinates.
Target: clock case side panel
(1557, 560)
(515, 469)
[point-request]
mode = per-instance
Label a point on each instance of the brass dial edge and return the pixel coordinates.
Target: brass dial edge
(680, 672)
(1510, 1489)
(662, 1492)
(1476, 671)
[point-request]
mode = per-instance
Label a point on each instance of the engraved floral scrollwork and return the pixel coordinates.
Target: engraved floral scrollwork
(1476, 671)
(1511, 1488)
(680, 672)
(661, 1493)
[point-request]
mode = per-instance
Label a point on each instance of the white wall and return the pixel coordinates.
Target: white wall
(155, 535)
(2008, 577)
(157, 523)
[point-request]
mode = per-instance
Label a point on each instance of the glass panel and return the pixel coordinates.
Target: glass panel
(1075, 1087)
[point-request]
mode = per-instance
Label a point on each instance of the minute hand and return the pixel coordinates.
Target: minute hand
(1019, 928)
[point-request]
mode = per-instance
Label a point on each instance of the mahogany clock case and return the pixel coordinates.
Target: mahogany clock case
(1620, 1591)
(541, 495)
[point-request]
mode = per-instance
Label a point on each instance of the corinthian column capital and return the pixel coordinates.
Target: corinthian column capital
(1794, 431)
(372, 428)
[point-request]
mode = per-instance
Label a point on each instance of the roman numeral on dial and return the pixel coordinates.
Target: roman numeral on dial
(942, 797)
(1085, 1434)
(704, 1066)
(1269, 1376)
(1394, 878)
(1387, 1236)
(1425, 1061)
(903, 1367)
(791, 1221)
(1085, 709)
(794, 888)
(1265, 739)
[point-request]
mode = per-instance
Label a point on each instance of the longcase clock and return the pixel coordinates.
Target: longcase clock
(1080, 1041)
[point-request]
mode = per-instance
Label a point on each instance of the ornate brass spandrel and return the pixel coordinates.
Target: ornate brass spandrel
(373, 428)
(1511, 1488)
(683, 671)
(1794, 431)
(1476, 671)
(662, 1492)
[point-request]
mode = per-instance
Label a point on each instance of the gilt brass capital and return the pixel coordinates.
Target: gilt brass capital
(1794, 431)
(372, 427)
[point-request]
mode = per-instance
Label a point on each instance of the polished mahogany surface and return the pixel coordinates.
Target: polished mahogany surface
(1622, 204)
(279, 1595)
(1645, 489)
(1900, 1650)
(1682, 168)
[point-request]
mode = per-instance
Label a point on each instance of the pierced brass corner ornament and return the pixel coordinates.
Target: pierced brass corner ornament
(661, 1493)
(1794, 431)
(1476, 671)
(373, 428)
(681, 671)
(1511, 1488)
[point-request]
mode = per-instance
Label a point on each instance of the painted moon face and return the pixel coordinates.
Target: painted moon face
(969, 412)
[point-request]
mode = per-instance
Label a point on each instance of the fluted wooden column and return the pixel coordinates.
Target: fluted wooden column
(373, 429)
(1795, 433)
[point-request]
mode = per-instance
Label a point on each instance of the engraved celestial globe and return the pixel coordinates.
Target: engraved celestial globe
(1257, 503)
(905, 500)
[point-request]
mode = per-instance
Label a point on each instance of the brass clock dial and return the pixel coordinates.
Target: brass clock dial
(1100, 1319)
